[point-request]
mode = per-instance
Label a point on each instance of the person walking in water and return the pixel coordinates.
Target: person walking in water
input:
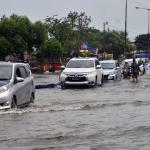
(135, 69)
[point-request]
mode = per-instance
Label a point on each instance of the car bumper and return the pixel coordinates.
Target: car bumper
(109, 77)
(85, 81)
(78, 83)
(5, 100)
(5, 107)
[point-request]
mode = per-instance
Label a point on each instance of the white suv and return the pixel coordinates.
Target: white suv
(82, 71)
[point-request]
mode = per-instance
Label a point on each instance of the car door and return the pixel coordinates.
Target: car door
(19, 90)
(28, 83)
(118, 70)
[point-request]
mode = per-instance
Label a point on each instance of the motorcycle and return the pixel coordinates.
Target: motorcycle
(126, 73)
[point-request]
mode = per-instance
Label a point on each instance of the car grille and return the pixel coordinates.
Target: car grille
(76, 78)
(105, 76)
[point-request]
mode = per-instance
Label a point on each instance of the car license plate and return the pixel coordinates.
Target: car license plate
(75, 79)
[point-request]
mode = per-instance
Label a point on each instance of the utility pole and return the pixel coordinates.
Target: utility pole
(104, 25)
(125, 32)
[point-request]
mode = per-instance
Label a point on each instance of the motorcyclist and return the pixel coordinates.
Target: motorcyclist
(126, 70)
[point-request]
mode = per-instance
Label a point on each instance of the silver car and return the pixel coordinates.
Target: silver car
(111, 70)
(16, 85)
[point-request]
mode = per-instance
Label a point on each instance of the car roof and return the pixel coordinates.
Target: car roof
(84, 58)
(108, 61)
(11, 63)
(128, 60)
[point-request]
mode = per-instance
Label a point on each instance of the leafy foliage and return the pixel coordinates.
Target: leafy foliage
(143, 42)
(19, 35)
(50, 50)
(59, 37)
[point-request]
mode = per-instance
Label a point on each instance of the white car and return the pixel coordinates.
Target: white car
(82, 71)
(111, 69)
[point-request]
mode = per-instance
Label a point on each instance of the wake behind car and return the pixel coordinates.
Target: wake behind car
(82, 71)
(111, 69)
(16, 85)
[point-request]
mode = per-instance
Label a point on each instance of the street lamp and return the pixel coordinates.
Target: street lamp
(148, 10)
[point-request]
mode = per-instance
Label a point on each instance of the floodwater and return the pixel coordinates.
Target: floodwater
(115, 116)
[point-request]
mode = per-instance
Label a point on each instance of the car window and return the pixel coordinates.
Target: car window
(80, 64)
(18, 73)
(23, 72)
(5, 72)
(28, 71)
(108, 65)
(97, 62)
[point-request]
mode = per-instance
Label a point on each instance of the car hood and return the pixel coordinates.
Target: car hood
(2, 83)
(107, 71)
(78, 70)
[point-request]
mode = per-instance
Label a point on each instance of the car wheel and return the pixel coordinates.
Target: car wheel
(95, 84)
(115, 78)
(63, 86)
(102, 80)
(32, 98)
(14, 103)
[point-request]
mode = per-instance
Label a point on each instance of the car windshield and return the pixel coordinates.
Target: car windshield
(108, 65)
(5, 72)
(80, 64)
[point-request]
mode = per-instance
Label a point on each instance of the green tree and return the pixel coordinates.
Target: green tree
(40, 34)
(22, 34)
(50, 50)
(142, 42)
(5, 47)
(69, 31)
(113, 42)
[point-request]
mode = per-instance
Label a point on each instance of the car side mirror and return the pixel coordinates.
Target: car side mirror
(117, 68)
(62, 67)
(98, 67)
(19, 79)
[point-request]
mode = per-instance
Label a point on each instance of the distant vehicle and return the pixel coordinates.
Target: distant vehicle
(82, 71)
(142, 67)
(111, 69)
(147, 66)
(16, 85)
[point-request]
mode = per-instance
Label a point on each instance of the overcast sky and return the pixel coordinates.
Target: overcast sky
(100, 11)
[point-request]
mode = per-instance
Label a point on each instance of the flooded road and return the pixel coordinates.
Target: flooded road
(115, 116)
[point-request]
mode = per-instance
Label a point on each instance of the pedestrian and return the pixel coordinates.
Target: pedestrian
(135, 69)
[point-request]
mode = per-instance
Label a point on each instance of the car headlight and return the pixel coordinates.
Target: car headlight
(111, 73)
(3, 88)
(6, 103)
(89, 73)
(63, 74)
